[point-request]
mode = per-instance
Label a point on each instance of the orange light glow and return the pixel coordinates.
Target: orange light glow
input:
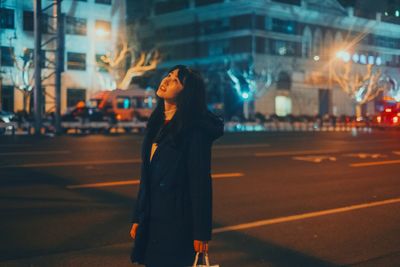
(119, 117)
(379, 119)
(388, 110)
(395, 119)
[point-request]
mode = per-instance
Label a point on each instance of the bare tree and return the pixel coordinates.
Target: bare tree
(249, 84)
(361, 86)
(22, 76)
(122, 74)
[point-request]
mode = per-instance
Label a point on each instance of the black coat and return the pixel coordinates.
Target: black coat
(174, 203)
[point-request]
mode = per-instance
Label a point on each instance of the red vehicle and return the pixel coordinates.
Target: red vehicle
(390, 116)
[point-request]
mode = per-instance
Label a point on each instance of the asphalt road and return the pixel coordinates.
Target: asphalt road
(280, 199)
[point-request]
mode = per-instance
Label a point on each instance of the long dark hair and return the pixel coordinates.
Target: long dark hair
(190, 103)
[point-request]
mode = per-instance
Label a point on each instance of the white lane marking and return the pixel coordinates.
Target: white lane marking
(304, 216)
(94, 185)
(241, 146)
(375, 163)
(73, 163)
(35, 153)
(366, 155)
(293, 153)
(134, 182)
(316, 158)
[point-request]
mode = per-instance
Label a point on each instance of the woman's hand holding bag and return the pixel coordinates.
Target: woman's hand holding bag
(201, 247)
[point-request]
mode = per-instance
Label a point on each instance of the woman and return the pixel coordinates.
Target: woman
(172, 219)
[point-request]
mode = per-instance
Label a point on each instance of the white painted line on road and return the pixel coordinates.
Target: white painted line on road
(241, 146)
(304, 216)
(366, 155)
(134, 182)
(227, 175)
(316, 158)
(73, 163)
(94, 185)
(375, 163)
(35, 153)
(293, 153)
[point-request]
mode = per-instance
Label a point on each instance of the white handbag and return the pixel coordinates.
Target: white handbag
(206, 259)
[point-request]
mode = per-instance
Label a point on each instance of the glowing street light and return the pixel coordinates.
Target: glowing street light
(316, 58)
(245, 95)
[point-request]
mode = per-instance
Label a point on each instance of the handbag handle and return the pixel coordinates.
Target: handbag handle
(196, 259)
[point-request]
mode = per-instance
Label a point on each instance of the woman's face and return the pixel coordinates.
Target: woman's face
(170, 86)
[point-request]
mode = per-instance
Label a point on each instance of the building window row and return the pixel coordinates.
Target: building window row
(7, 19)
(75, 61)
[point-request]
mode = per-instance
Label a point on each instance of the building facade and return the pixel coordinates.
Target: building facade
(92, 28)
(293, 40)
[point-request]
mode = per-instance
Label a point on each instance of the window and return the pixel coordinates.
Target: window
(306, 43)
(284, 81)
(260, 45)
(214, 26)
(170, 6)
(75, 26)
(241, 22)
(260, 22)
(7, 98)
(7, 18)
(105, 2)
(384, 41)
(6, 56)
(75, 95)
(138, 102)
(123, 102)
(284, 26)
(207, 2)
(76, 61)
(100, 63)
(241, 44)
(217, 48)
(170, 33)
(103, 28)
(28, 21)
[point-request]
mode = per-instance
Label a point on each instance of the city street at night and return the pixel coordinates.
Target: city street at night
(279, 199)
